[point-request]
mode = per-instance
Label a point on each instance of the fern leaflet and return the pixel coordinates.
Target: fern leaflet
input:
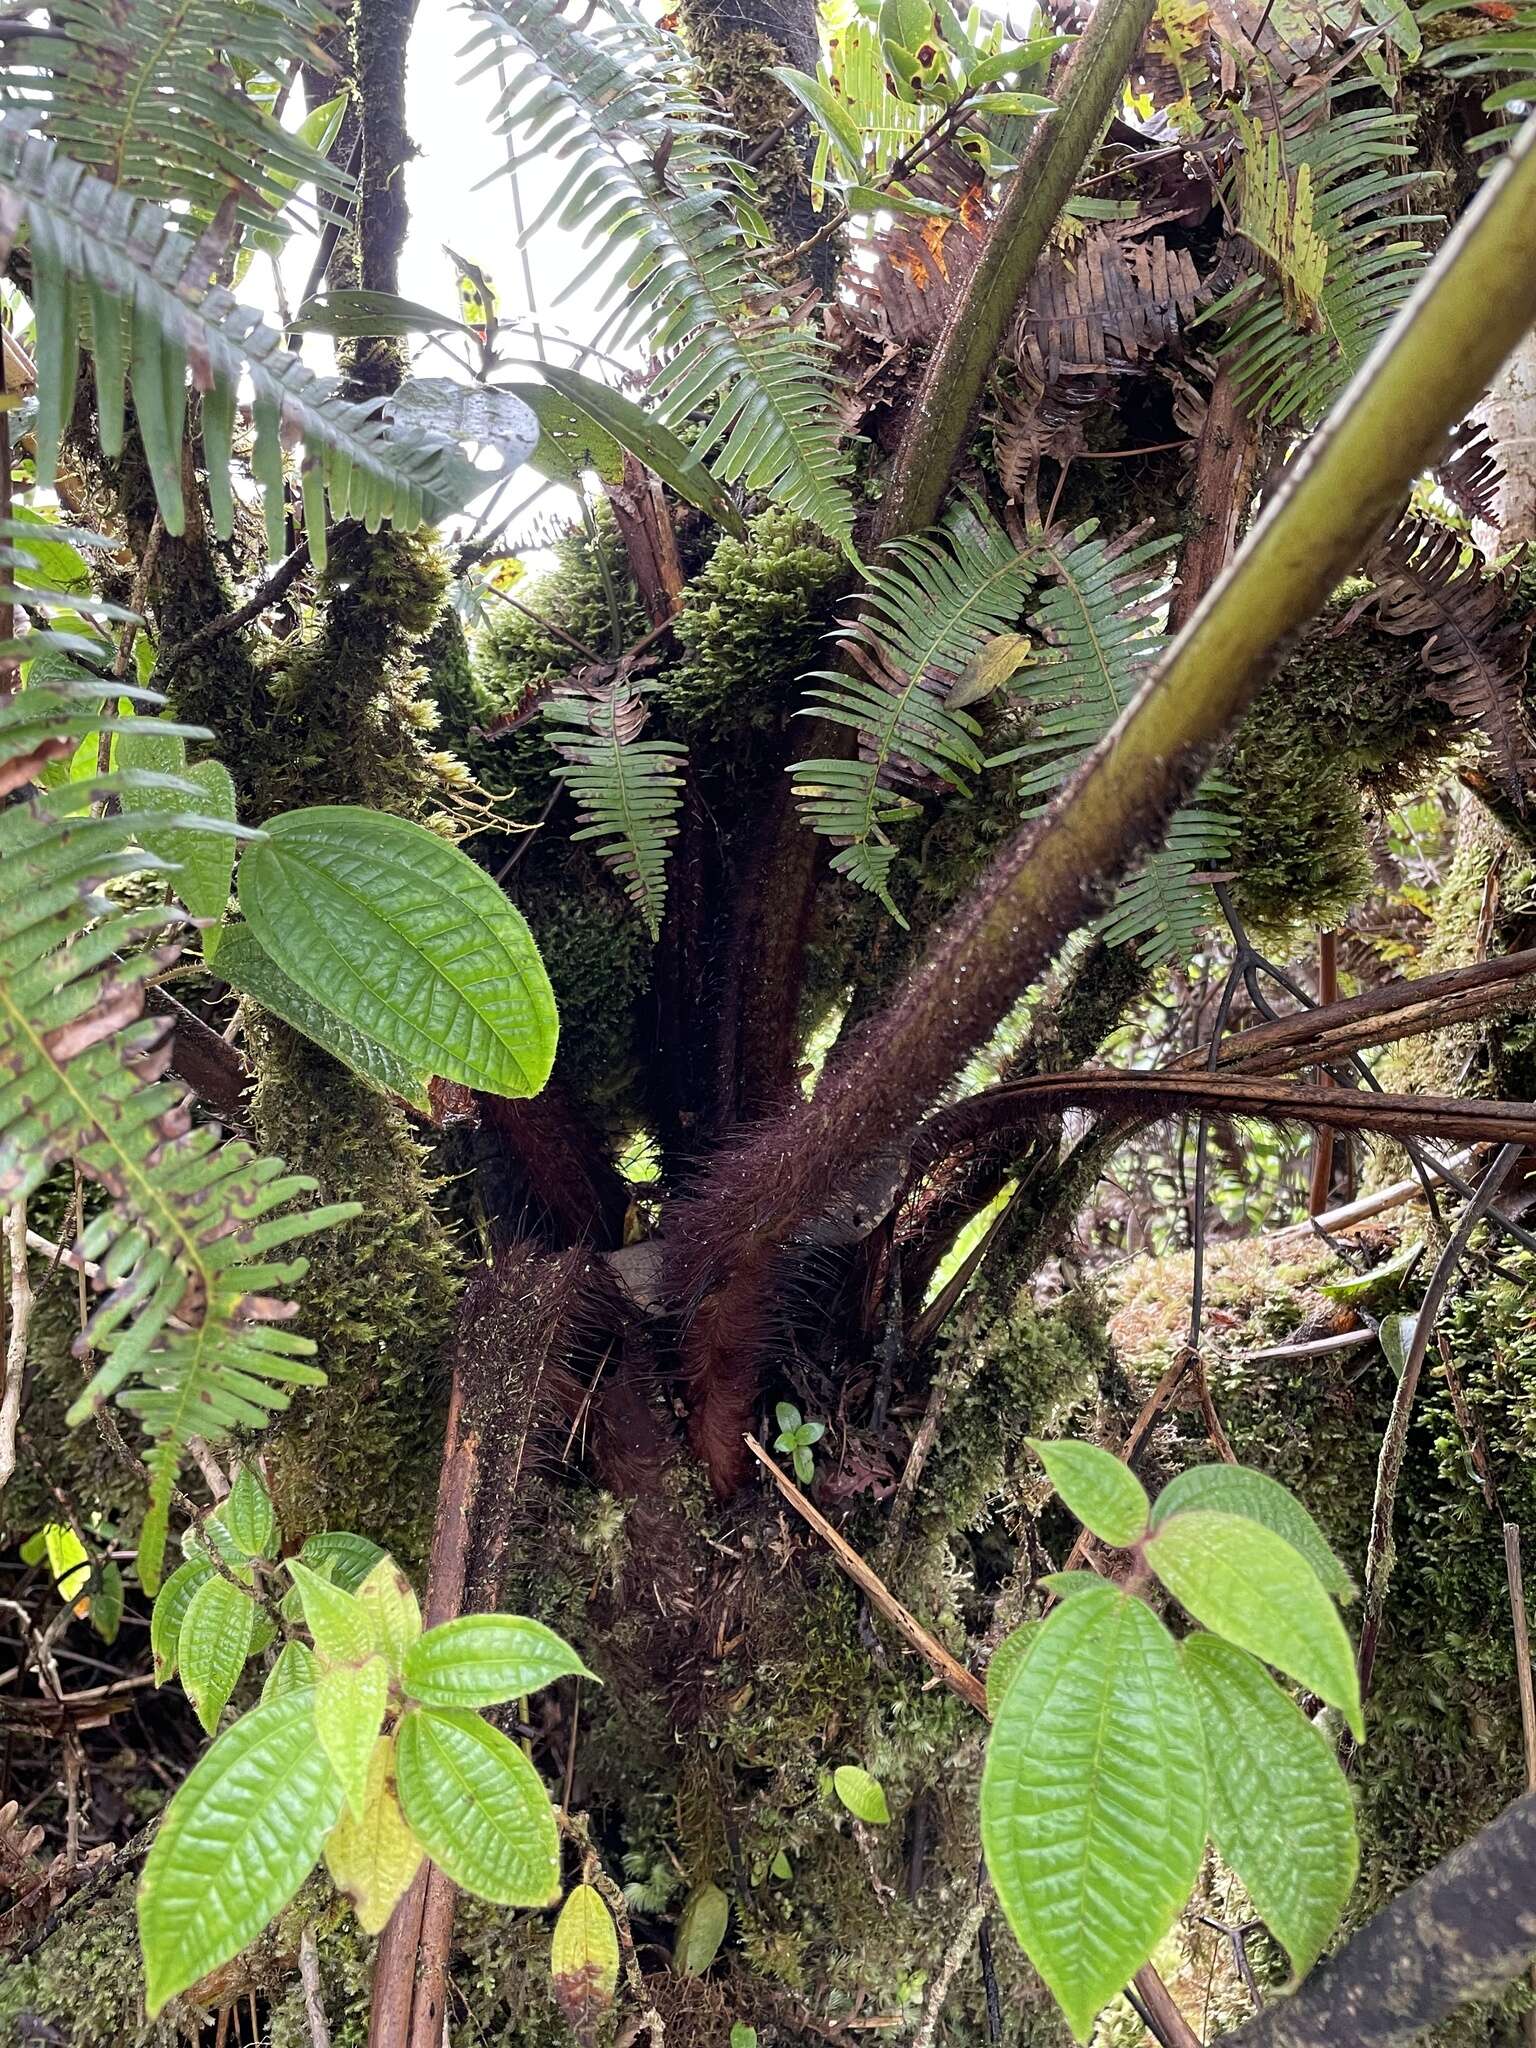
(104, 253)
(934, 602)
(628, 789)
(668, 212)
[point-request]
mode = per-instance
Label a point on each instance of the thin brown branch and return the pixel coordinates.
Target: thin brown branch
(16, 1336)
(270, 592)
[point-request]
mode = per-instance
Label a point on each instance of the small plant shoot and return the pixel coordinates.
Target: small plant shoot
(1116, 1750)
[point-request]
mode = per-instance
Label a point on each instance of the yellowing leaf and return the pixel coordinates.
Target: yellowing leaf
(988, 669)
(863, 1795)
(374, 1856)
(392, 1609)
(349, 1705)
(584, 1962)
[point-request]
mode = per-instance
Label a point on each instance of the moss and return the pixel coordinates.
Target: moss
(753, 622)
(378, 1300)
(85, 1984)
(1342, 724)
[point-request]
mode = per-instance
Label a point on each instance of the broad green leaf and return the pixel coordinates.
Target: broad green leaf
(988, 669)
(1240, 1490)
(296, 1670)
(1093, 1798)
(700, 1930)
(349, 1705)
(647, 440)
(1015, 103)
(743, 2036)
(107, 1602)
(863, 1795)
(570, 440)
(1105, 1495)
(1020, 57)
(372, 1858)
(584, 1963)
(1244, 1582)
(169, 1611)
(204, 860)
(1065, 1584)
(482, 1659)
(336, 1619)
(245, 966)
(353, 313)
(393, 1610)
(1281, 1811)
(214, 1642)
(344, 1559)
(235, 1844)
(1004, 1664)
(477, 1807)
(404, 937)
(248, 1516)
(828, 111)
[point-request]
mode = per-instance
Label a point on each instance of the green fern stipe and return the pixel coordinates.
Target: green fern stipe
(675, 246)
(934, 602)
(627, 789)
(122, 265)
(188, 1322)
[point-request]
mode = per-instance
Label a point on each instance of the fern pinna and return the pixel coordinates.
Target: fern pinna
(933, 603)
(184, 1252)
(649, 181)
(626, 789)
(123, 265)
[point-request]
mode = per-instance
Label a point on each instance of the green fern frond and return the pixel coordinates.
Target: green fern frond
(934, 601)
(1325, 212)
(1097, 615)
(144, 287)
(155, 97)
(1161, 909)
(1096, 620)
(1501, 50)
(628, 789)
(649, 181)
(183, 1253)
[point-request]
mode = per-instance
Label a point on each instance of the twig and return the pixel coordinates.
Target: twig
(1466, 1421)
(266, 594)
(314, 1996)
(954, 1956)
(1313, 1347)
(1377, 1204)
(16, 1339)
(1380, 1555)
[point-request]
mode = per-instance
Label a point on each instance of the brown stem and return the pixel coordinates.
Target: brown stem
(1322, 1146)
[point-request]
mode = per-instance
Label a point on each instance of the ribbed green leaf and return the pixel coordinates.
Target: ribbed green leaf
(863, 1795)
(393, 1611)
(1103, 1492)
(1240, 1490)
(246, 966)
(169, 1611)
(235, 1844)
(1006, 1661)
(482, 1659)
(213, 1644)
(373, 1857)
(477, 1807)
(1281, 1811)
(199, 863)
(403, 937)
(349, 1705)
(1244, 1582)
(1093, 1798)
(336, 1619)
(247, 1517)
(296, 1670)
(340, 1556)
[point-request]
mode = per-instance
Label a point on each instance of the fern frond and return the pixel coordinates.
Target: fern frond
(934, 601)
(649, 181)
(628, 789)
(154, 97)
(1431, 586)
(1096, 618)
(1503, 50)
(184, 1251)
(1161, 909)
(102, 252)
(1322, 203)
